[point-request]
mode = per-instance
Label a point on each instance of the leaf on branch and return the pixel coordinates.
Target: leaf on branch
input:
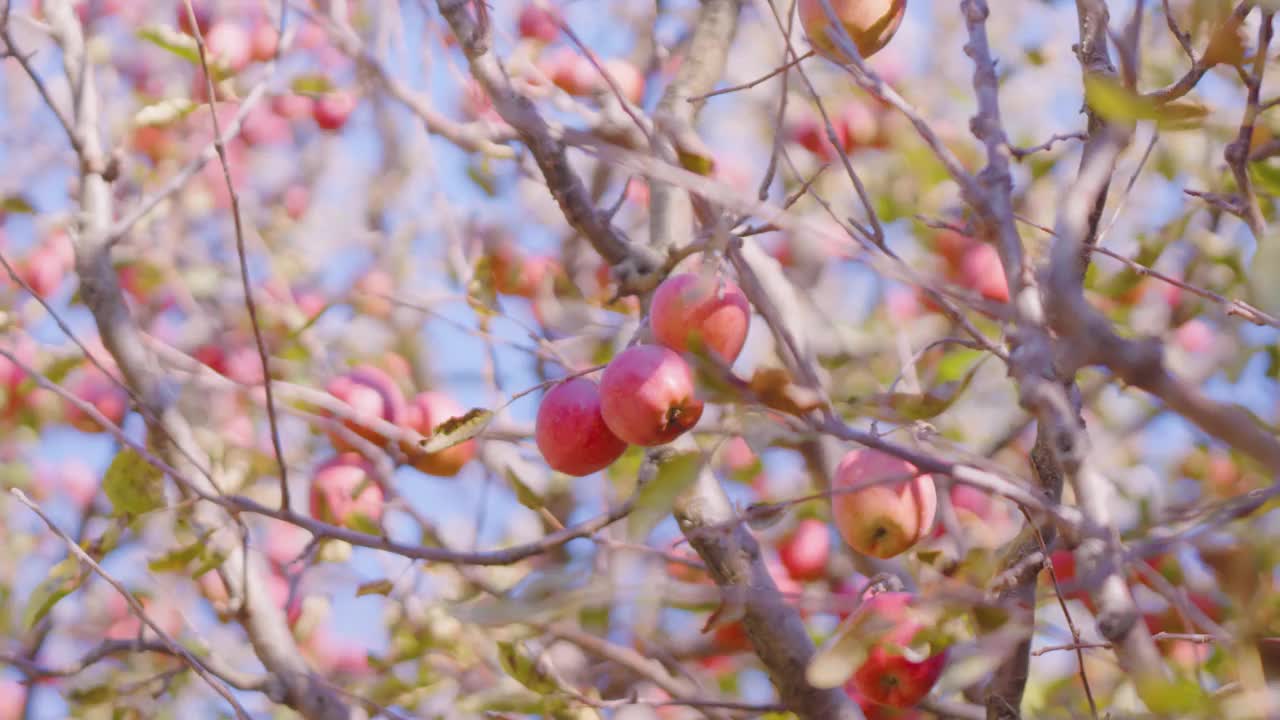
(63, 579)
(525, 495)
(774, 388)
(17, 204)
(530, 671)
(375, 587)
(1117, 103)
(1227, 44)
(311, 84)
(676, 473)
(457, 430)
(165, 112)
(845, 651)
(169, 39)
(133, 485)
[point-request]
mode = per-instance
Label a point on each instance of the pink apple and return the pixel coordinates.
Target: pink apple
(264, 42)
(343, 488)
(886, 518)
(228, 45)
(291, 106)
(264, 127)
(629, 80)
(370, 393)
(571, 434)
(539, 21)
(571, 72)
(810, 133)
(860, 126)
(805, 551)
(296, 200)
(372, 291)
(332, 109)
(425, 413)
(646, 396)
(871, 24)
(712, 310)
(1195, 336)
(13, 699)
(102, 392)
(887, 676)
(981, 269)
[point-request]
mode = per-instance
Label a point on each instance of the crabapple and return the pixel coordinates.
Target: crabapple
(805, 551)
(871, 24)
(712, 309)
(343, 488)
(891, 678)
(882, 519)
(646, 396)
(980, 269)
(371, 393)
(571, 435)
(332, 109)
(425, 413)
(229, 45)
(538, 21)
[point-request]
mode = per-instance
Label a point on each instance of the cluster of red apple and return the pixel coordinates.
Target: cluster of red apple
(646, 394)
(342, 488)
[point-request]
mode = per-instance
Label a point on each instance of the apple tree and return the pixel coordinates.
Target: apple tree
(611, 359)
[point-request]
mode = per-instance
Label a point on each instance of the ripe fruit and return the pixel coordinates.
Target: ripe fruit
(371, 393)
(228, 45)
(811, 134)
(980, 269)
(804, 553)
(539, 22)
(343, 488)
(204, 17)
(571, 72)
(871, 24)
(425, 413)
(984, 520)
(887, 676)
(572, 436)
(629, 80)
(332, 109)
(713, 310)
(646, 396)
(102, 392)
(292, 107)
(887, 518)
(264, 41)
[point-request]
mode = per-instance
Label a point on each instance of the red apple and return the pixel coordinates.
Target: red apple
(871, 24)
(571, 72)
(1195, 336)
(44, 269)
(876, 711)
(646, 396)
(264, 127)
(342, 488)
(887, 676)
(102, 392)
(371, 393)
(985, 520)
(887, 518)
(228, 45)
(981, 269)
(859, 126)
(571, 435)
(426, 412)
(13, 699)
(805, 551)
(264, 42)
(713, 310)
(332, 109)
(539, 21)
(203, 13)
(291, 106)
(810, 133)
(153, 142)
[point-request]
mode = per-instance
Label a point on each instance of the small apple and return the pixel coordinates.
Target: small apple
(343, 488)
(296, 200)
(859, 126)
(626, 77)
(332, 109)
(810, 133)
(264, 42)
(425, 413)
(886, 518)
(204, 17)
(570, 72)
(887, 676)
(646, 396)
(228, 45)
(102, 392)
(291, 106)
(981, 269)
(371, 393)
(713, 310)
(805, 551)
(539, 21)
(571, 434)
(871, 24)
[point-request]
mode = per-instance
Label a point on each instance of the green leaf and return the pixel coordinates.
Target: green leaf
(1266, 177)
(96, 695)
(1181, 697)
(17, 204)
(312, 84)
(375, 587)
(176, 560)
(676, 473)
(363, 523)
(845, 651)
(63, 579)
(1117, 103)
(164, 112)
(133, 485)
(457, 430)
(167, 38)
(529, 671)
(525, 495)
